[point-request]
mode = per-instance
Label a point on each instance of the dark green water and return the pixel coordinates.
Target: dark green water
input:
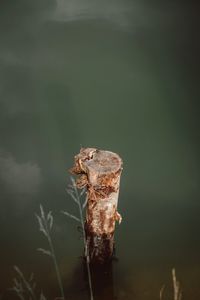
(117, 75)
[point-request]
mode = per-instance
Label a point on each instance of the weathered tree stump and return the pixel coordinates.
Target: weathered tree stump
(100, 173)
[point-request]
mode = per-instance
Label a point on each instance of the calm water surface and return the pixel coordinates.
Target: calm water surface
(117, 75)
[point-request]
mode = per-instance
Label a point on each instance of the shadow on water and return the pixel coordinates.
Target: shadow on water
(102, 282)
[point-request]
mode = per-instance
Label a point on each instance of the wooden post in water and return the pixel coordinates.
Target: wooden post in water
(100, 172)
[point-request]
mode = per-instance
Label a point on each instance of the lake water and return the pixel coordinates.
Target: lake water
(116, 75)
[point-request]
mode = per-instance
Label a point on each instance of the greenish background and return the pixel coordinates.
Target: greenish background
(116, 75)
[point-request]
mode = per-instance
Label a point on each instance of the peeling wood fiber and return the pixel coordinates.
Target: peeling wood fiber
(99, 172)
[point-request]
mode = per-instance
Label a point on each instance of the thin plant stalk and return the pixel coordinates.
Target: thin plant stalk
(176, 286)
(46, 223)
(73, 192)
(85, 244)
(25, 283)
(25, 288)
(177, 294)
(161, 292)
(56, 265)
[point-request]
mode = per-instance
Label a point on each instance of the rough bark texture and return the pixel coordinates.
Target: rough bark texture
(100, 173)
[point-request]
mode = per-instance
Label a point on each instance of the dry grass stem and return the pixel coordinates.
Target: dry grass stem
(76, 196)
(161, 292)
(177, 294)
(45, 222)
(25, 288)
(176, 286)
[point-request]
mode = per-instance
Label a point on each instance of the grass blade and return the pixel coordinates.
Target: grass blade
(71, 216)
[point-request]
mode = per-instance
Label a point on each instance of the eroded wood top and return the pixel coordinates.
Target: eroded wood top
(99, 161)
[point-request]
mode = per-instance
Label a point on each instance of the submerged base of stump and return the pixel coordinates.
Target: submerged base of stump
(99, 172)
